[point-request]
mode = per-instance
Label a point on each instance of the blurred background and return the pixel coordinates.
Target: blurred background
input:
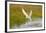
(17, 18)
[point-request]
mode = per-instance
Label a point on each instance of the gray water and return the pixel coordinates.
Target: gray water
(31, 24)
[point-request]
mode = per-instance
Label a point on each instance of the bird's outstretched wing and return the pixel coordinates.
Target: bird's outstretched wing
(24, 12)
(30, 13)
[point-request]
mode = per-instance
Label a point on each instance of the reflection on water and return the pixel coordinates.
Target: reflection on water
(31, 24)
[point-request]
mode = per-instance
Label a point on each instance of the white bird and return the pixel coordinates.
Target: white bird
(27, 16)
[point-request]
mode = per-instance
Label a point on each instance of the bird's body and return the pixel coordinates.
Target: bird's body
(27, 16)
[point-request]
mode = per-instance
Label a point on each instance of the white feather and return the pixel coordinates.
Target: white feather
(24, 12)
(27, 16)
(30, 13)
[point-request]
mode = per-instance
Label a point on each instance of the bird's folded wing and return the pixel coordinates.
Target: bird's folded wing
(30, 13)
(24, 12)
